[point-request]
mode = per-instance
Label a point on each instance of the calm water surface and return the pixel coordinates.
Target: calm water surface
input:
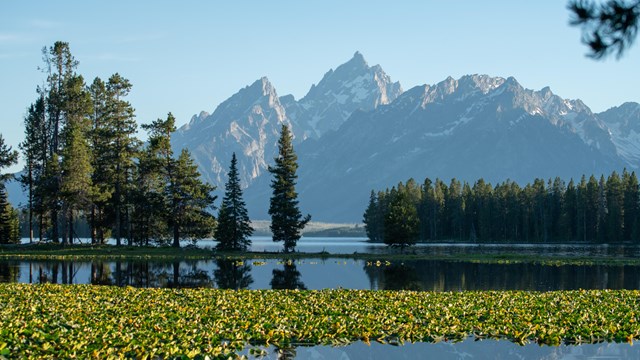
(468, 349)
(350, 245)
(433, 275)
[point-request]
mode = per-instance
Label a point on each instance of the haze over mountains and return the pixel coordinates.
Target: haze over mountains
(357, 130)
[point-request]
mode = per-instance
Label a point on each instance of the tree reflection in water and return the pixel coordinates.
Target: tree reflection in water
(232, 274)
(288, 278)
(9, 272)
(101, 273)
(194, 277)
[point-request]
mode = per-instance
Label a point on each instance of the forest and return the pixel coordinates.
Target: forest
(83, 159)
(85, 165)
(590, 211)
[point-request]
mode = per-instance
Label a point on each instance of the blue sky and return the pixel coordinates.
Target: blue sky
(189, 56)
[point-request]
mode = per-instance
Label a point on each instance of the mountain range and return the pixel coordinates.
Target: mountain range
(357, 130)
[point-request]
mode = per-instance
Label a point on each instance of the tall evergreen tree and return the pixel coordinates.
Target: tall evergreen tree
(76, 186)
(570, 212)
(99, 143)
(287, 221)
(631, 206)
(148, 218)
(189, 198)
(60, 66)
(370, 218)
(401, 221)
(123, 145)
(34, 151)
(602, 211)
(75, 178)
(185, 197)
(8, 157)
(615, 209)
(8, 219)
(234, 226)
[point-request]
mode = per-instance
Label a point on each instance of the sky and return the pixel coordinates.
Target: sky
(188, 56)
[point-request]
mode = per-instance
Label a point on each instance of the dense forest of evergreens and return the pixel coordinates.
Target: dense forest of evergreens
(591, 210)
(83, 159)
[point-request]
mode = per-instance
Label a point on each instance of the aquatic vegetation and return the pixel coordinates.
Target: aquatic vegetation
(87, 321)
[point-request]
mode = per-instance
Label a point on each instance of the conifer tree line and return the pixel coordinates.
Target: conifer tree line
(83, 159)
(604, 210)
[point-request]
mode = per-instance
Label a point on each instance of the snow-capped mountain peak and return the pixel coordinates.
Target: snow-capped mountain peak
(624, 125)
(352, 86)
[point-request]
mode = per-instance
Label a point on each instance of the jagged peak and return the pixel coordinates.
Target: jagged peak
(351, 74)
(358, 59)
(195, 120)
(512, 82)
(484, 83)
(264, 85)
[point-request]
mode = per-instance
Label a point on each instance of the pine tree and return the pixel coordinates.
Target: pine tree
(401, 223)
(602, 211)
(149, 208)
(614, 218)
(570, 212)
(76, 186)
(369, 218)
(8, 216)
(189, 198)
(286, 219)
(99, 143)
(75, 178)
(631, 206)
(123, 145)
(184, 196)
(34, 151)
(234, 226)
(60, 67)
(8, 157)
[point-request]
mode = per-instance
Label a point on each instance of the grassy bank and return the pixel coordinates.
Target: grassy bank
(87, 321)
(110, 252)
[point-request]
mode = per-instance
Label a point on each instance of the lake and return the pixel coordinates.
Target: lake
(317, 273)
(350, 245)
(423, 275)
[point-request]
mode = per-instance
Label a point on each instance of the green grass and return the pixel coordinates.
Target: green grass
(81, 321)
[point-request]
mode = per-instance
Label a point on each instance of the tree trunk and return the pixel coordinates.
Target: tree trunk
(93, 225)
(176, 236)
(55, 236)
(30, 203)
(70, 226)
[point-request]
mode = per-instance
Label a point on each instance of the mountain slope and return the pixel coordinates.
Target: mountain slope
(249, 122)
(351, 86)
(471, 128)
(624, 123)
